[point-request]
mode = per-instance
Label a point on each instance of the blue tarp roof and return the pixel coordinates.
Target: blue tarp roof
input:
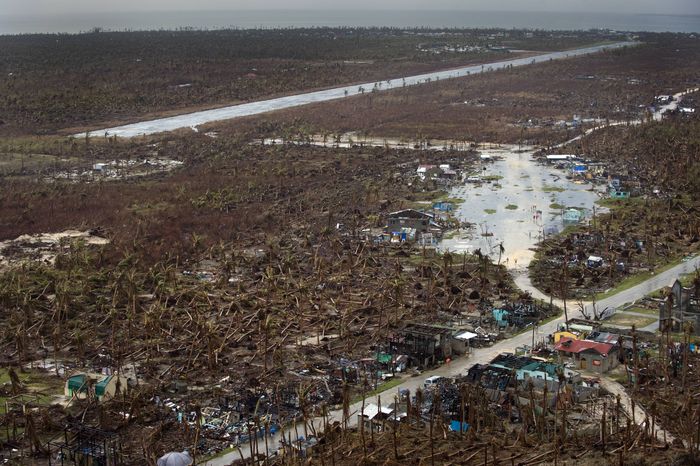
(454, 426)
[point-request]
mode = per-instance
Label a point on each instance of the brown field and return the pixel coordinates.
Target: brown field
(50, 82)
(502, 103)
(215, 272)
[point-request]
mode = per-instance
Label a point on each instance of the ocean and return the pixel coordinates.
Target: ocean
(74, 23)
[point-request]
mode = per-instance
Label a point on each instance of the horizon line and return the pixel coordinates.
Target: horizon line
(354, 10)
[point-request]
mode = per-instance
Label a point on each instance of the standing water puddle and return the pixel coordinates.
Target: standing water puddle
(523, 202)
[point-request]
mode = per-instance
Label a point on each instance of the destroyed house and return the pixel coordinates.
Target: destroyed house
(604, 337)
(501, 317)
(81, 444)
(376, 417)
(530, 368)
(410, 218)
(101, 387)
(425, 345)
(617, 192)
(428, 171)
(587, 354)
(303, 446)
(491, 377)
(518, 315)
(443, 206)
(572, 216)
(681, 307)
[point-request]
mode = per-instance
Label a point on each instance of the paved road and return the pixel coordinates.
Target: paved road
(658, 115)
(484, 355)
(639, 416)
(192, 120)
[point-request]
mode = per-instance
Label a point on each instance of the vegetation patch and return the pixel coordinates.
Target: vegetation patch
(628, 320)
(38, 387)
(642, 310)
(381, 388)
(548, 188)
(452, 200)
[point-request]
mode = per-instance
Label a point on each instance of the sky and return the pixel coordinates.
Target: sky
(32, 7)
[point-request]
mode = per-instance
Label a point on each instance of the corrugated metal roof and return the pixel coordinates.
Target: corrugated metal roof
(466, 336)
(577, 346)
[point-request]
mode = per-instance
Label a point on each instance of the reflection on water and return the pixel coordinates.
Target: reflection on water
(524, 204)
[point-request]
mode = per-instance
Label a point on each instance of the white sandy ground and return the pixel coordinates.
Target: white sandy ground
(44, 247)
(348, 140)
(116, 170)
(193, 120)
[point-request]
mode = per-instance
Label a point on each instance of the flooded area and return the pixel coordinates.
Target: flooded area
(516, 203)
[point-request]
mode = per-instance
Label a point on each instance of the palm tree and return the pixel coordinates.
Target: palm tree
(447, 259)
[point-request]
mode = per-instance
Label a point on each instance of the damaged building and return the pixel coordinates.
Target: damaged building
(681, 307)
(425, 345)
(411, 224)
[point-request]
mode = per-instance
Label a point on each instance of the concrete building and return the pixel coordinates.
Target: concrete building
(681, 306)
(425, 345)
(412, 220)
(376, 418)
(588, 355)
(102, 387)
(531, 368)
(460, 342)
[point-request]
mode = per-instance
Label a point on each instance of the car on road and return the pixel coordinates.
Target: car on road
(431, 381)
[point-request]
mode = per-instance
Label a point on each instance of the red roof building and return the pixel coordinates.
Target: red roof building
(569, 345)
(588, 354)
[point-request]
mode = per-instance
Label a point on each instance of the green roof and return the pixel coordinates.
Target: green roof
(384, 358)
(101, 386)
(538, 366)
(77, 382)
